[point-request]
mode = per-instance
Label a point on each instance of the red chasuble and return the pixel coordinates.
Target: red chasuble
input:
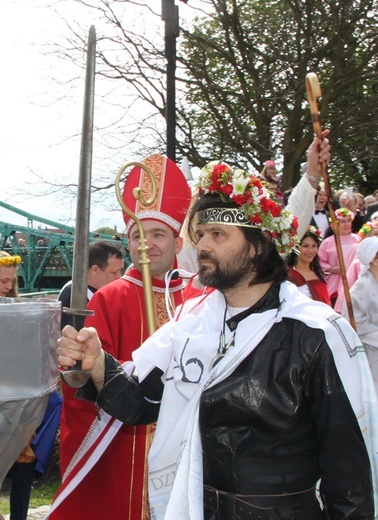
(318, 288)
(115, 487)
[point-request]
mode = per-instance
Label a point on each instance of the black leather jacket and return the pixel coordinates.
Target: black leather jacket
(280, 422)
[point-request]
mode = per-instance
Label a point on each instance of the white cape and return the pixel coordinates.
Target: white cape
(175, 459)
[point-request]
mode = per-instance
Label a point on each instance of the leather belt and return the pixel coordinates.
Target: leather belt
(258, 507)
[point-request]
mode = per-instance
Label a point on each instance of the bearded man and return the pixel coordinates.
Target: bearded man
(256, 389)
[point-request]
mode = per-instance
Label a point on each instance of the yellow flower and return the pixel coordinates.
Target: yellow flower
(9, 260)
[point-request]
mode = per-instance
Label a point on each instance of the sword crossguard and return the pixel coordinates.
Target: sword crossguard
(77, 312)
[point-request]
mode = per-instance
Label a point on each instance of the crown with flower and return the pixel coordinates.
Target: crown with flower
(9, 260)
(343, 213)
(255, 207)
(366, 229)
(313, 230)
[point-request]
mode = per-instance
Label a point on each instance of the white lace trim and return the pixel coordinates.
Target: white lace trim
(166, 219)
(154, 288)
(83, 446)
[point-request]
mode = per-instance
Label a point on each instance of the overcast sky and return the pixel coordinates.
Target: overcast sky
(29, 131)
(35, 133)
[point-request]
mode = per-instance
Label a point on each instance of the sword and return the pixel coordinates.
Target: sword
(75, 376)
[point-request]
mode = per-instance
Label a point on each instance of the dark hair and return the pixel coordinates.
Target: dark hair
(268, 264)
(315, 264)
(100, 250)
(286, 195)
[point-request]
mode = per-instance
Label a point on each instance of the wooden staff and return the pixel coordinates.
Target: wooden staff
(313, 92)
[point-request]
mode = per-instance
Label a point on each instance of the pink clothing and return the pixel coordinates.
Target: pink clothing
(352, 274)
(328, 258)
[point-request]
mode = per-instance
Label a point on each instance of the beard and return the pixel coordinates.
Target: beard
(227, 275)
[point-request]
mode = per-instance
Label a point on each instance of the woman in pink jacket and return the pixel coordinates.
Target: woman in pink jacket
(328, 256)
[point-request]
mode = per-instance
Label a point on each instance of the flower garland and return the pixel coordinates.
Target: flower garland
(314, 231)
(343, 213)
(252, 196)
(9, 260)
(366, 229)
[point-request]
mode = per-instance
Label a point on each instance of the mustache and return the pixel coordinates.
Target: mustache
(204, 255)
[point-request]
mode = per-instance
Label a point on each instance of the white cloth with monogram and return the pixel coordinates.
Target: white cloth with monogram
(175, 459)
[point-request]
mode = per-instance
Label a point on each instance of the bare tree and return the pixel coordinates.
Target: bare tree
(240, 84)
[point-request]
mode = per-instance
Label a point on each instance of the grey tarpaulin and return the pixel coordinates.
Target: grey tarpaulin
(28, 371)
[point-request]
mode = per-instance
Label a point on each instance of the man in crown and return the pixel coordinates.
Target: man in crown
(256, 389)
(115, 487)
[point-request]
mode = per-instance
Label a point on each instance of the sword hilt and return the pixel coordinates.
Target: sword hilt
(75, 376)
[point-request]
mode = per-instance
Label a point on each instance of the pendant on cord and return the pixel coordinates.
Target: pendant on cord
(222, 349)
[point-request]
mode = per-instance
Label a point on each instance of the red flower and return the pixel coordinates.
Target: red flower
(215, 180)
(220, 168)
(274, 208)
(255, 219)
(268, 205)
(241, 199)
(256, 182)
(227, 189)
(264, 202)
(238, 199)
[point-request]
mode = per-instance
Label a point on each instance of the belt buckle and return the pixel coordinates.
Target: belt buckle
(217, 495)
(211, 491)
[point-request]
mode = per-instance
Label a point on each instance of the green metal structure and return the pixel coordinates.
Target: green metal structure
(47, 254)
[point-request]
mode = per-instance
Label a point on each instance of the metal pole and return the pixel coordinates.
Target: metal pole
(170, 15)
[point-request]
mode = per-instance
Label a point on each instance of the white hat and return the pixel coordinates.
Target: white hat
(367, 251)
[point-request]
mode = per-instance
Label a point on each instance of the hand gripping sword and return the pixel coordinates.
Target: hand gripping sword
(75, 376)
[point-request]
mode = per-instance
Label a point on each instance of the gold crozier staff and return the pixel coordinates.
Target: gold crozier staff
(144, 261)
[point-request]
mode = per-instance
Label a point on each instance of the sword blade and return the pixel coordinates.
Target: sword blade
(74, 376)
(81, 241)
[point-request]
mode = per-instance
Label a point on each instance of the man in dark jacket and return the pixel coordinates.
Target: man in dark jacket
(320, 217)
(105, 264)
(256, 389)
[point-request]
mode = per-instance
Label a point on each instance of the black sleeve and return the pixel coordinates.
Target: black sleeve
(65, 298)
(123, 397)
(346, 485)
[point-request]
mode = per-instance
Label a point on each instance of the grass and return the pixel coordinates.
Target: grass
(43, 493)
